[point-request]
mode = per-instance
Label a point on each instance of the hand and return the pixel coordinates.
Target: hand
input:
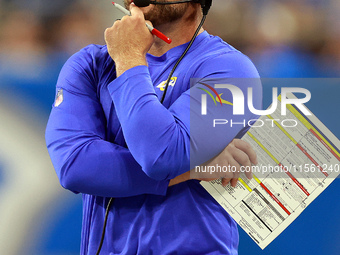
(128, 41)
(181, 178)
(237, 153)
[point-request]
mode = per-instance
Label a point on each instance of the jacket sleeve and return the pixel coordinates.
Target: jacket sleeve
(75, 136)
(174, 139)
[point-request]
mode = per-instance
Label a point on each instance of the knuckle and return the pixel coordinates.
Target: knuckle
(246, 145)
(230, 147)
(136, 18)
(237, 141)
(107, 33)
(243, 157)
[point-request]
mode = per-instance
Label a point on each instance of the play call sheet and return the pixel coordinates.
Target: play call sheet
(295, 164)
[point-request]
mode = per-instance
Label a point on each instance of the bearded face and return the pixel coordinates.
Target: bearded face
(162, 14)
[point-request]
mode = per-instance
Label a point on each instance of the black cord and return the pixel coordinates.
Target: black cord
(182, 56)
(104, 226)
(166, 3)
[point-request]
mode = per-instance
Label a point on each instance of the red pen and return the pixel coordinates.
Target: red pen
(153, 30)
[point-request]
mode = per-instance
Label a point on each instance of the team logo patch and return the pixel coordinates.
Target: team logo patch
(59, 98)
(172, 83)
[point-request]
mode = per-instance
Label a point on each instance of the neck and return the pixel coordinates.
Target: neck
(179, 32)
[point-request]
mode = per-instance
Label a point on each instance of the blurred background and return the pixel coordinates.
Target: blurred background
(284, 38)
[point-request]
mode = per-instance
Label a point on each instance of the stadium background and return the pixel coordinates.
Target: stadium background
(291, 38)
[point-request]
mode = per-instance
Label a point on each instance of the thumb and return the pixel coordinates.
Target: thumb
(136, 11)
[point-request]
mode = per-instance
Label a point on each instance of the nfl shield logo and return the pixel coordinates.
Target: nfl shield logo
(59, 98)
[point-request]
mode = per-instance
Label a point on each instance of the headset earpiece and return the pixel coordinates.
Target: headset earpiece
(205, 4)
(142, 3)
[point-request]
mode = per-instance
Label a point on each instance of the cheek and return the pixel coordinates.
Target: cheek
(150, 12)
(146, 10)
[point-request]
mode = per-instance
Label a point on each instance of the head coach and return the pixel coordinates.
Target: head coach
(119, 134)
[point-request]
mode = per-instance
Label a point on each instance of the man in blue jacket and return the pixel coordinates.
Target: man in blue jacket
(109, 136)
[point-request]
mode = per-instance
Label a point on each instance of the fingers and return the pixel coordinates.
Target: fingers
(233, 182)
(225, 181)
(248, 173)
(243, 159)
(233, 175)
(239, 153)
(245, 155)
(107, 34)
(246, 148)
(237, 157)
(136, 11)
(236, 173)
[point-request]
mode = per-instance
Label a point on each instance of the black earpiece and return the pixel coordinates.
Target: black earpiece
(142, 3)
(205, 4)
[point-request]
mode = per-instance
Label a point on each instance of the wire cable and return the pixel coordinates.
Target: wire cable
(181, 57)
(104, 226)
(166, 3)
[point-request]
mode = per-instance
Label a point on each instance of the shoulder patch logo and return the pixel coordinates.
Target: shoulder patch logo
(59, 98)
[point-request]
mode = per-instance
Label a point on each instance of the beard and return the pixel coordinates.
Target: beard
(163, 14)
